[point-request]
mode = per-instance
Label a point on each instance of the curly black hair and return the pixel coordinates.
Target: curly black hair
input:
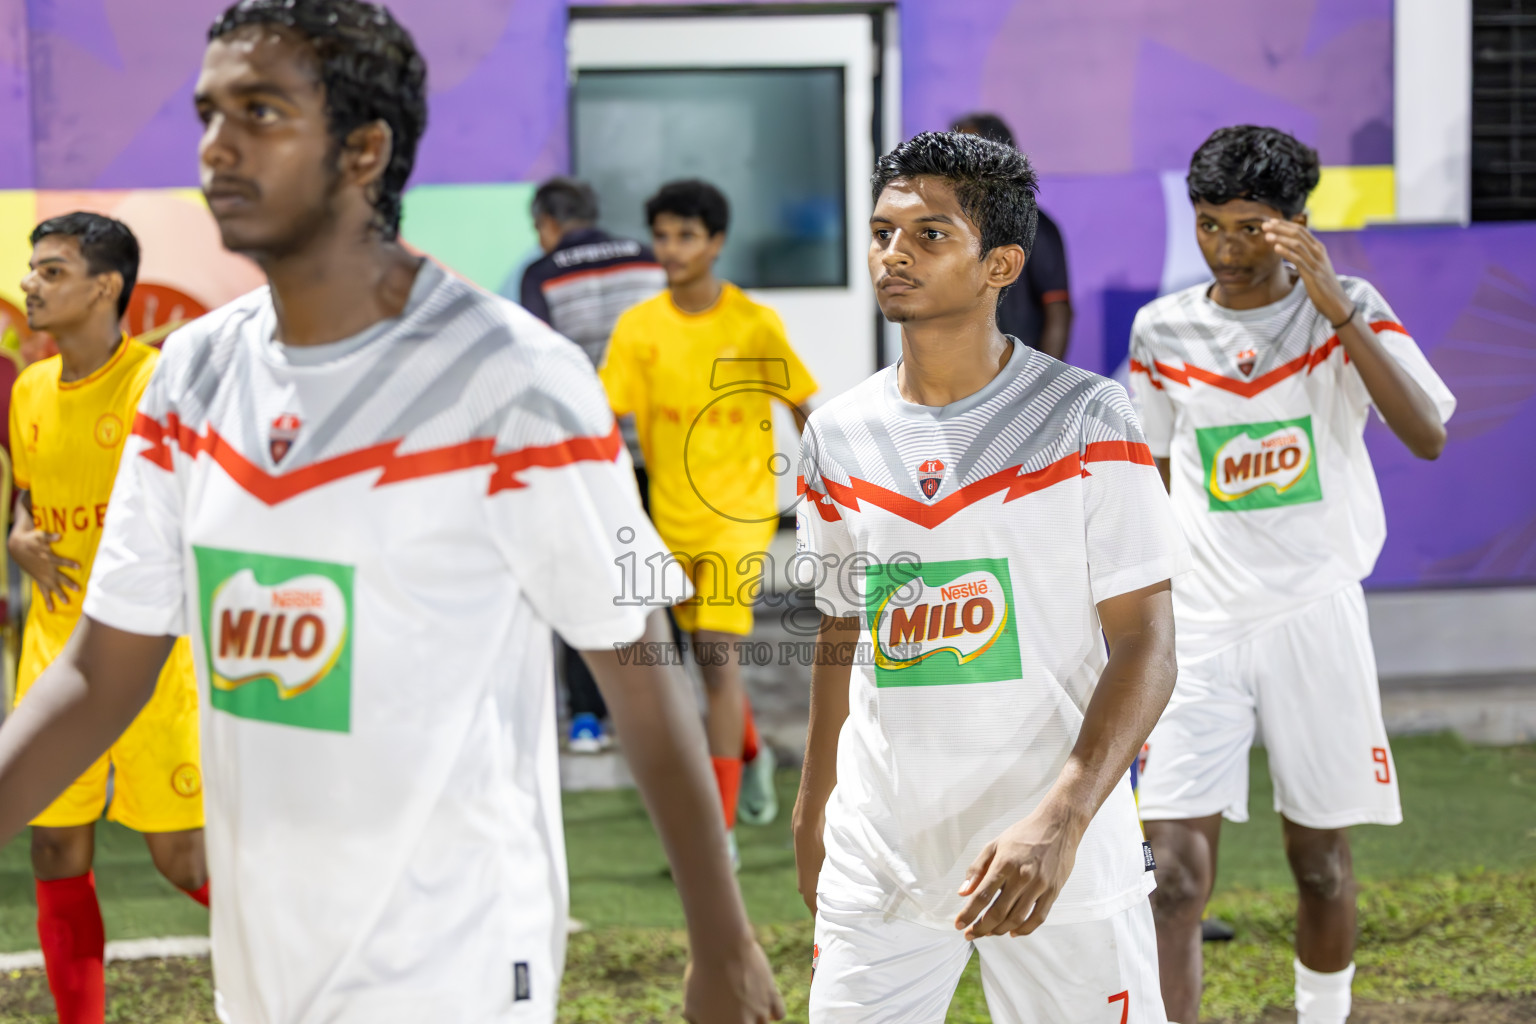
(1264, 165)
(371, 71)
(106, 244)
(691, 198)
(994, 183)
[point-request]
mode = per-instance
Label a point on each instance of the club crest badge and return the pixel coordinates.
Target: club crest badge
(930, 475)
(1246, 359)
(285, 430)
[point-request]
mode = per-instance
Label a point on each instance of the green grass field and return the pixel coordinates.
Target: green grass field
(1448, 905)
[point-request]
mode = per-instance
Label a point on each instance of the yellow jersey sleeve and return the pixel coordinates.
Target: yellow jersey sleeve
(620, 372)
(775, 344)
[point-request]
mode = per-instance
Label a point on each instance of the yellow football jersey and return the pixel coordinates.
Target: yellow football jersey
(701, 387)
(66, 438)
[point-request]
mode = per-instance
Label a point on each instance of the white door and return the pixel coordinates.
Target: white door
(779, 112)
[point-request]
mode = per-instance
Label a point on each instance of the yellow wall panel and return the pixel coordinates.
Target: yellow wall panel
(18, 215)
(1351, 197)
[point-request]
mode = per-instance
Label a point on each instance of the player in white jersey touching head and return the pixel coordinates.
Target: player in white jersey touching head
(368, 492)
(979, 518)
(1253, 389)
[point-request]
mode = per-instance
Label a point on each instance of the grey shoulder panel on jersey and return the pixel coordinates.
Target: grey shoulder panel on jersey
(407, 343)
(1037, 425)
(199, 356)
(1031, 423)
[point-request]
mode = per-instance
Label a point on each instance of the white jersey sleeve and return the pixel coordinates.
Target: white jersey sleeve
(138, 583)
(1153, 406)
(1133, 540)
(1400, 346)
(566, 511)
(823, 546)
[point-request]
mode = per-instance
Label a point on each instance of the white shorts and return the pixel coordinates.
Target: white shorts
(1308, 685)
(871, 968)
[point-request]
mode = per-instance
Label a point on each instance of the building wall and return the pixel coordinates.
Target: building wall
(1108, 96)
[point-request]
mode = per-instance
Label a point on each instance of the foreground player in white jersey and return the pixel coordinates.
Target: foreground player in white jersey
(368, 493)
(980, 512)
(1253, 390)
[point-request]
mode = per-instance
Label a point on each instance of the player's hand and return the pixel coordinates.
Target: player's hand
(1025, 869)
(732, 985)
(33, 552)
(1301, 248)
(810, 851)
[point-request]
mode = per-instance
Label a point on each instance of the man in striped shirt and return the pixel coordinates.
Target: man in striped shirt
(586, 278)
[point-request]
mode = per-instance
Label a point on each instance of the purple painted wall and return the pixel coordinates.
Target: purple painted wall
(1106, 95)
(1112, 87)
(1469, 296)
(15, 98)
(1102, 87)
(112, 82)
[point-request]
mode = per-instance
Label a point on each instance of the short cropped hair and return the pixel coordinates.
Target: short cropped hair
(106, 244)
(1264, 165)
(994, 183)
(691, 198)
(566, 201)
(371, 71)
(988, 126)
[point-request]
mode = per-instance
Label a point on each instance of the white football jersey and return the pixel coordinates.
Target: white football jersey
(1262, 417)
(369, 553)
(974, 542)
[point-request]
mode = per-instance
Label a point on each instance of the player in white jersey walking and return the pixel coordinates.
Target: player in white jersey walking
(975, 516)
(1253, 390)
(368, 493)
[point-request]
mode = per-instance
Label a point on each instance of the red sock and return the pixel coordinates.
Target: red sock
(69, 926)
(201, 895)
(728, 778)
(749, 733)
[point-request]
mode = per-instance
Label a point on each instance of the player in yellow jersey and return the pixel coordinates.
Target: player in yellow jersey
(700, 367)
(69, 416)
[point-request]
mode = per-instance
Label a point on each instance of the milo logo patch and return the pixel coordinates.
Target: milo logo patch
(942, 623)
(1260, 465)
(278, 637)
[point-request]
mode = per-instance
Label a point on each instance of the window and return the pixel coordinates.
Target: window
(1504, 110)
(771, 139)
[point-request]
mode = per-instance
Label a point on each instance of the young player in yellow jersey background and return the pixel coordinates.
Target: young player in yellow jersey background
(700, 367)
(69, 416)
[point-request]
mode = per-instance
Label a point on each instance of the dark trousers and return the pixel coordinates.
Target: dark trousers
(585, 697)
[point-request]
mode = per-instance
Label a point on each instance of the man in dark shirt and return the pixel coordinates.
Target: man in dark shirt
(1038, 308)
(586, 278)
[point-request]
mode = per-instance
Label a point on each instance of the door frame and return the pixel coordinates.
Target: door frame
(884, 120)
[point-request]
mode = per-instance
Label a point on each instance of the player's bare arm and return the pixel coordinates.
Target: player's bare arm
(1403, 404)
(818, 777)
(80, 704)
(728, 980)
(1026, 867)
(32, 550)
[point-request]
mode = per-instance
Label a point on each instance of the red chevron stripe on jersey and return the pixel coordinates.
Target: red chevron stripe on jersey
(1248, 388)
(1010, 479)
(396, 467)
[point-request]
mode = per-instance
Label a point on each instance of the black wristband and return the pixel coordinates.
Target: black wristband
(1352, 311)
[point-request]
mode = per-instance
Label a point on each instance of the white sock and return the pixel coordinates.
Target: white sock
(1322, 998)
